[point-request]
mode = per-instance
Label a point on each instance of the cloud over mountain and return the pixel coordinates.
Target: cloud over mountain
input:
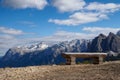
(104, 30)
(9, 37)
(13, 39)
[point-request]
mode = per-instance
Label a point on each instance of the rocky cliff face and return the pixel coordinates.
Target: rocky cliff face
(113, 43)
(98, 44)
(104, 43)
(118, 33)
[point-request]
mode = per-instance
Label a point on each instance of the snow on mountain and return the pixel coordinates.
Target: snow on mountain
(40, 46)
(42, 53)
(33, 47)
(26, 49)
(74, 45)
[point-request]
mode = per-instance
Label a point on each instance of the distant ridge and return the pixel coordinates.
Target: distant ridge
(45, 54)
(25, 56)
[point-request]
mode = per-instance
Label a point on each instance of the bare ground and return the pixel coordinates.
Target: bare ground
(105, 71)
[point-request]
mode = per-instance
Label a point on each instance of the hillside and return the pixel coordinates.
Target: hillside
(105, 71)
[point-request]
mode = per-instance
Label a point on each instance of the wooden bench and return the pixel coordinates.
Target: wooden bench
(71, 57)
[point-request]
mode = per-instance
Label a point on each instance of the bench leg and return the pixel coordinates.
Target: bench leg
(73, 60)
(100, 59)
(95, 60)
(68, 61)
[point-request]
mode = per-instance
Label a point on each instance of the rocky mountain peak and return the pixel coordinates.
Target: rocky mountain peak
(102, 35)
(118, 33)
(104, 44)
(111, 34)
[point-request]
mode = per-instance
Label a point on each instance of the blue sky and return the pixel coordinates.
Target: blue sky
(25, 21)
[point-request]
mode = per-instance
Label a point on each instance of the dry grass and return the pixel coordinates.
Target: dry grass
(105, 71)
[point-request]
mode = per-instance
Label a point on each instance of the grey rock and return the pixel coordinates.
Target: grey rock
(105, 44)
(118, 33)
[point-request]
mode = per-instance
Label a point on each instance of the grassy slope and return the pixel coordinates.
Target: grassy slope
(105, 71)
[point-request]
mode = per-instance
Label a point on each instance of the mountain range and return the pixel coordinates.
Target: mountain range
(44, 54)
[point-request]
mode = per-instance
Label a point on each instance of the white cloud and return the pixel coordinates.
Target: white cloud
(20, 4)
(86, 13)
(6, 37)
(6, 42)
(87, 33)
(98, 30)
(68, 5)
(9, 38)
(108, 7)
(65, 35)
(80, 18)
(11, 31)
